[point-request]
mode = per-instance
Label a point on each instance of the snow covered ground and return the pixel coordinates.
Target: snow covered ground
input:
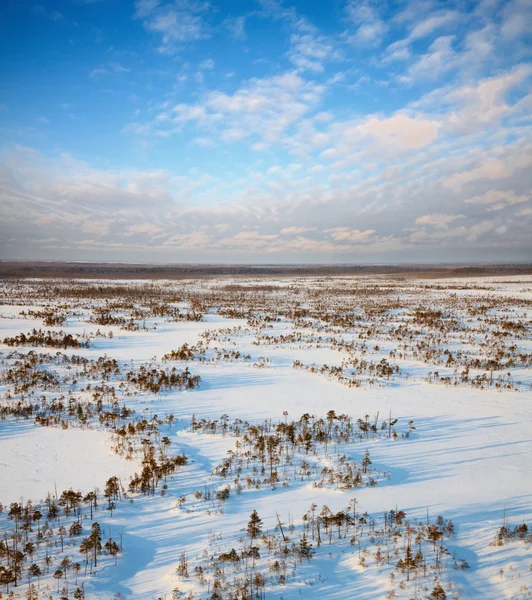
(469, 458)
(33, 457)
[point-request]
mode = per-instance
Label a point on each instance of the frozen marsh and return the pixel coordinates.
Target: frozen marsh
(237, 438)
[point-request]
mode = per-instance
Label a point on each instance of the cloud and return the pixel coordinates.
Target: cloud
(159, 216)
(438, 60)
(264, 108)
(525, 212)
(179, 22)
(432, 23)
(404, 131)
(204, 142)
(344, 234)
(296, 230)
(491, 168)
(188, 241)
(309, 50)
(116, 67)
(147, 228)
(41, 11)
(96, 227)
(206, 64)
(473, 107)
(248, 240)
(458, 235)
(517, 16)
(97, 73)
(236, 27)
(438, 221)
(383, 135)
(308, 159)
(485, 102)
(401, 49)
(477, 230)
(276, 10)
(497, 200)
(456, 52)
(370, 29)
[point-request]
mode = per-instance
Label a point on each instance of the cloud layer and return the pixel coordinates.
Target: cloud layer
(289, 161)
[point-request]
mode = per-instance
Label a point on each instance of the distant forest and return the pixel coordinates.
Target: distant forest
(15, 269)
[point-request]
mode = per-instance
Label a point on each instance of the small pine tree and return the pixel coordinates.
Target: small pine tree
(438, 593)
(254, 526)
(305, 548)
(366, 462)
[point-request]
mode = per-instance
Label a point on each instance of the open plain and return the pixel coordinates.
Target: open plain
(224, 437)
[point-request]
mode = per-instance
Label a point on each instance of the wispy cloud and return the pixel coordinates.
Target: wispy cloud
(309, 50)
(177, 23)
(262, 108)
(236, 27)
(367, 28)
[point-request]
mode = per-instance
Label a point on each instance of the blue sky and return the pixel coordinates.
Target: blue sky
(266, 131)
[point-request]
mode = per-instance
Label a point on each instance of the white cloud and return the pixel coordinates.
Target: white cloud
(472, 108)
(439, 221)
(517, 16)
(309, 50)
(499, 199)
(477, 230)
(525, 212)
(400, 49)
(207, 64)
(401, 130)
(436, 61)
(97, 73)
(147, 228)
(179, 22)
(236, 26)
(370, 29)
(118, 68)
(107, 69)
(486, 101)
(443, 236)
(233, 135)
(490, 168)
(432, 23)
(386, 136)
(265, 107)
(343, 183)
(345, 234)
(296, 230)
(204, 142)
(96, 227)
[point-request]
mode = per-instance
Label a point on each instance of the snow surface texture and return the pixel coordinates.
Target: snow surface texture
(32, 458)
(469, 458)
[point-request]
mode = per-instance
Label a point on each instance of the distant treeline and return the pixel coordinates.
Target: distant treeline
(16, 269)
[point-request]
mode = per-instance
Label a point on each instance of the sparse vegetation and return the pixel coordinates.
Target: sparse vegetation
(371, 335)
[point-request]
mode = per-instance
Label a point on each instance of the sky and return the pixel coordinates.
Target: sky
(266, 131)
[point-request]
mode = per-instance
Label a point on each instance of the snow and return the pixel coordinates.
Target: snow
(32, 458)
(470, 459)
